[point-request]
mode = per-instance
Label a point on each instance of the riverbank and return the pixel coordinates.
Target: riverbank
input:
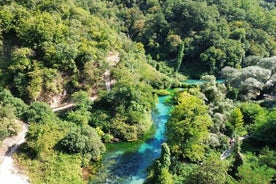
(127, 163)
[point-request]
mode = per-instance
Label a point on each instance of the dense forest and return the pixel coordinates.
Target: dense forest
(111, 59)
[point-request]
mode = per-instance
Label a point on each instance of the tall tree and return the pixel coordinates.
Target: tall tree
(161, 174)
(187, 129)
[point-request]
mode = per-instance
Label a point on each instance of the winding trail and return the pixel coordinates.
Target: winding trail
(67, 106)
(228, 152)
(107, 80)
(112, 59)
(9, 174)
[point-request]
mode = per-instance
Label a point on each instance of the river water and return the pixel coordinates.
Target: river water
(196, 81)
(130, 166)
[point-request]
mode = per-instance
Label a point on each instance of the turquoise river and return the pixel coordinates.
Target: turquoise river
(130, 166)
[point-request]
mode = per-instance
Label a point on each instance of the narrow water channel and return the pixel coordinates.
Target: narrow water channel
(130, 167)
(196, 81)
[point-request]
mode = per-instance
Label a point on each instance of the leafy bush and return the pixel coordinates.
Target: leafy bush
(7, 98)
(212, 170)
(189, 123)
(84, 140)
(9, 126)
(39, 112)
(162, 92)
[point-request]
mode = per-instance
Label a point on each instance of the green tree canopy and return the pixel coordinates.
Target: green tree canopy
(39, 112)
(187, 129)
(84, 140)
(212, 171)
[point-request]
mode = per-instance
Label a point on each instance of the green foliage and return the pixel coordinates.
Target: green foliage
(139, 20)
(265, 130)
(35, 83)
(124, 110)
(213, 92)
(81, 98)
(212, 170)
(249, 116)
(253, 114)
(19, 106)
(165, 156)
(232, 93)
(91, 73)
(51, 48)
(160, 171)
(162, 92)
(80, 117)
(100, 118)
(84, 140)
(253, 172)
(188, 124)
(39, 112)
(20, 59)
(217, 33)
(11, 109)
(181, 171)
(268, 157)
(57, 168)
(227, 53)
(165, 177)
(237, 122)
(9, 126)
(52, 39)
(38, 140)
(219, 106)
(122, 130)
(43, 163)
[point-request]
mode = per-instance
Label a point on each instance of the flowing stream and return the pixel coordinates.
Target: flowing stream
(196, 81)
(129, 166)
(128, 162)
(8, 171)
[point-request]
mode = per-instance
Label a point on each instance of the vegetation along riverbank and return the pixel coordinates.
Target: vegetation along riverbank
(87, 78)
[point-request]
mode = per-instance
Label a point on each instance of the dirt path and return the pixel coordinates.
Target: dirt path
(228, 152)
(9, 174)
(113, 59)
(107, 80)
(67, 106)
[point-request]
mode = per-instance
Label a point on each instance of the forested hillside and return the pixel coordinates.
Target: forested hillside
(71, 51)
(109, 59)
(214, 33)
(214, 139)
